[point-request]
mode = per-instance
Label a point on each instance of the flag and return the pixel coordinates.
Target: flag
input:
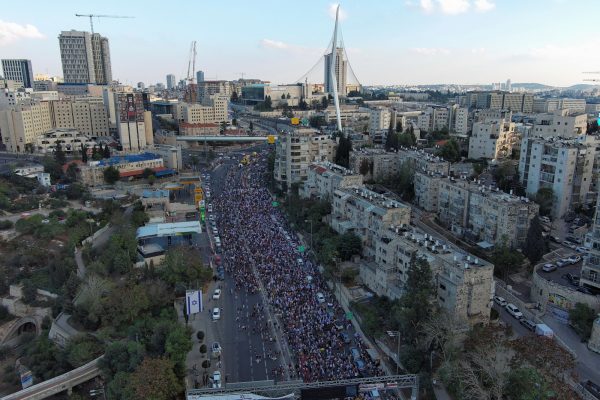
(193, 300)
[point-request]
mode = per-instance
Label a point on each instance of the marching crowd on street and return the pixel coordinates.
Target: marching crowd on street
(257, 244)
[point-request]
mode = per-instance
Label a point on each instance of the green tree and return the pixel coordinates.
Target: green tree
(342, 152)
(53, 168)
(582, 319)
(407, 139)
(59, 155)
(84, 155)
(505, 259)
(364, 167)
(121, 357)
(72, 172)
(450, 151)
(234, 122)
(535, 246)
(117, 388)
(251, 126)
(324, 103)
(234, 97)
(106, 152)
(147, 172)
(82, 349)
(417, 303)
(317, 121)
(178, 344)
(545, 198)
(154, 379)
(348, 245)
(111, 175)
(182, 265)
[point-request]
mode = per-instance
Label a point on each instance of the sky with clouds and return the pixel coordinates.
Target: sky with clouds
(387, 41)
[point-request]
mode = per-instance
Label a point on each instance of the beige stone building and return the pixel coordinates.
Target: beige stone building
(131, 165)
(494, 139)
(325, 177)
(87, 115)
(213, 112)
(295, 151)
(366, 214)
(464, 283)
(70, 140)
(21, 125)
(206, 129)
(383, 165)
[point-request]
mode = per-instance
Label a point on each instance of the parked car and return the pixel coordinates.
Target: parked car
(569, 244)
(216, 380)
(574, 259)
(500, 301)
(563, 262)
(216, 313)
(216, 349)
(514, 311)
(581, 249)
(573, 239)
(529, 324)
(217, 294)
(555, 239)
(549, 267)
(545, 219)
(574, 279)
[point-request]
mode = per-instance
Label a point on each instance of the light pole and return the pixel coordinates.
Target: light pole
(311, 233)
(396, 334)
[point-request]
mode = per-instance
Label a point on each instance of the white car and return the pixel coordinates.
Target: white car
(216, 349)
(320, 298)
(500, 301)
(514, 311)
(574, 259)
(217, 294)
(549, 267)
(581, 249)
(216, 380)
(216, 313)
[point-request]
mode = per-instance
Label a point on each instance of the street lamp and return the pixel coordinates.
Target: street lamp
(311, 233)
(396, 334)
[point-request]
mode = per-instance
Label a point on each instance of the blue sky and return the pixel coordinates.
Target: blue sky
(400, 42)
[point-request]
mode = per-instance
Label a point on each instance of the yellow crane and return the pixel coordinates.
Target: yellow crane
(91, 17)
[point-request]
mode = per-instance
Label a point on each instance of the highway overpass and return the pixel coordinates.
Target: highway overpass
(61, 383)
(238, 139)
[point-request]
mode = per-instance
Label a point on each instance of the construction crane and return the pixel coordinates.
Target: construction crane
(91, 17)
(191, 88)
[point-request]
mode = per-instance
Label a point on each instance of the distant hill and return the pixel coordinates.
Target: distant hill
(532, 86)
(583, 86)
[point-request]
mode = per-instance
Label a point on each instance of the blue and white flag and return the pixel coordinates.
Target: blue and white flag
(193, 301)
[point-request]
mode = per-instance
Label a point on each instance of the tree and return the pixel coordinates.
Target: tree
(84, 155)
(154, 379)
(391, 140)
(72, 172)
(582, 318)
(303, 105)
(59, 155)
(526, 383)
(234, 97)
(147, 172)
(151, 179)
(324, 103)
(234, 122)
(505, 259)
(106, 153)
(545, 198)
(203, 349)
(535, 246)
(182, 265)
(111, 175)
(348, 245)
(399, 126)
(342, 152)
(317, 121)
(121, 357)
(417, 304)
(251, 126)
(364, 166)
(450, 151)
(200, 336)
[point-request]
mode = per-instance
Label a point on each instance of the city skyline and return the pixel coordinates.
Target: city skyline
(387, 42)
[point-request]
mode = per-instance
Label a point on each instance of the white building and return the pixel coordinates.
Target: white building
(85, 57)
(379, 120)
(461, 122)
(560, 123)
(493, 140)
(70, 140)
(324, 178)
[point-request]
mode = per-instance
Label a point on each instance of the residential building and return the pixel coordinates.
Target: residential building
(590, 269)
(464, 283)
(461, 126)
(477, 212)
(553, 104)
(563, 165)
(171, 82)
(21, 125)
(493, 139)
(134, 123)
(70, 140)
(87, 115)
(171, 156)
(560, 123)
(10, 98)
(214, 110)
(85, 57)
(379, 120)
(383, 165)
(324, 178)
(295, 151)
(206, 89)
(427, 189)
(340, 69)
(199, 129)
(366, 214)
(18, 70)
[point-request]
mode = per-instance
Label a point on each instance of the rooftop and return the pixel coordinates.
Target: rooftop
(332, 168)
(128, 158)
(370, 197)
(168, 229)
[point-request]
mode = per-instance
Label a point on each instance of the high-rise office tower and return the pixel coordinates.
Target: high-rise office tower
(19, 71)
(340, 72)
(85, 57)
(171, 82)
(199, 76)
(508, 85)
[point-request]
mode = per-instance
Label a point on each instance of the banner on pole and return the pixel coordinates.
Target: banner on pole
(193, 301)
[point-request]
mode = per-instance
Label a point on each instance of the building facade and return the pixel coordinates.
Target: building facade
(85, 57)
(171, 82)
(340, 69)
(560, 123)
(134, 123)
(493, 140)
(324, 178)
(20, 126)
(70, 140)
(18, 70)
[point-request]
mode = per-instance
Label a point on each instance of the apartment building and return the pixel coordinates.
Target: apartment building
(493, 139)
(18, 70)
(553, 104)
(87, 115)
(560, 123)
(385, 165)
(214, 110)
(499, 100)
(473, 211)
(366, 214)
(324, 178)
(563, 165)
(21, 125)
(379, 120)
(461, 122)
(206, 89)
(295, 151)
(464, 283)
(590, 269)
(435, 118)
(70, 140)
(85, 57)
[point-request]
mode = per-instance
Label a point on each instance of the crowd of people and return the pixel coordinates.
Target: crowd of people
(262, 253)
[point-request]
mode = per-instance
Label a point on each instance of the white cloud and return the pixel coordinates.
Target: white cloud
(484, 5)
(274, 44)
(478, 50)
(455, 7)
(11, 32)
(332, 9)
(430, 51)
